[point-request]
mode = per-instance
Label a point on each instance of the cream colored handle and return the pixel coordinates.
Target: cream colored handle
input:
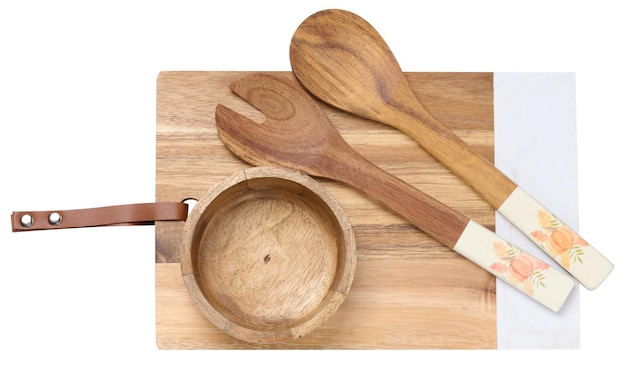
(517, 268)
(555, 238)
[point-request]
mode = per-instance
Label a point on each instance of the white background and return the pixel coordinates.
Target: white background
(77, 117)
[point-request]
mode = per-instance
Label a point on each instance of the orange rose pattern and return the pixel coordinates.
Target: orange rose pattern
(563, 244)
(521, 268)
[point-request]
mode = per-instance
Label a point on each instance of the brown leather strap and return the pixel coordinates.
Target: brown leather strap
(130, 214)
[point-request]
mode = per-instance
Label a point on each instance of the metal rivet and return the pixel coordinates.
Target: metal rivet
(26, 220)
(54, 218)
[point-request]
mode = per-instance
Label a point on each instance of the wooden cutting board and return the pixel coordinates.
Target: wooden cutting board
(409, 291)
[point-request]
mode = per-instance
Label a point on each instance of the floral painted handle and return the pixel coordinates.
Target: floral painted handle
(555, 238)
(510, 263)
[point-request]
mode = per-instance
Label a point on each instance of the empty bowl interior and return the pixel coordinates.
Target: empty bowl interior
(269, 258)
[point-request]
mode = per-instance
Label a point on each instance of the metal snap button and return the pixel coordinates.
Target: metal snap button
(54, 218)
(26, 220)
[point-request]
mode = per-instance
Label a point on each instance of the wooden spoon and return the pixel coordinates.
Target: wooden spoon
(298, 135)
(341, 59)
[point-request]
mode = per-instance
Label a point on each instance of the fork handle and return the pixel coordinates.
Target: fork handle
(516, 267)
(531, 276)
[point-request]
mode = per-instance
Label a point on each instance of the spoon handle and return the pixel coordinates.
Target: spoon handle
(531, 276)
(542, 227)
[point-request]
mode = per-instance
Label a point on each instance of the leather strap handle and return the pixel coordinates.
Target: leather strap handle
(130, 214)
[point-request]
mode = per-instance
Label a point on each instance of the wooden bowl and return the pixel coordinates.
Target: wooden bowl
(268, 255)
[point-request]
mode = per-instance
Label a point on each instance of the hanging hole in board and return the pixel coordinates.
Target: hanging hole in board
(191, 202)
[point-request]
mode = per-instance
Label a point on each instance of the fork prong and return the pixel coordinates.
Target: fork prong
(239, 134)
(253, 89)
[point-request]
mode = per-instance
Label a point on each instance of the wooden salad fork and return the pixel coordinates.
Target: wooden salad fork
(297, 134)
(342, 60)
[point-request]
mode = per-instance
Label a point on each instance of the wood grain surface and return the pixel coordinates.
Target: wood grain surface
(409, 291)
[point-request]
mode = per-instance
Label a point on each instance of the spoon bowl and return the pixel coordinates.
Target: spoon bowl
(334, 63)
